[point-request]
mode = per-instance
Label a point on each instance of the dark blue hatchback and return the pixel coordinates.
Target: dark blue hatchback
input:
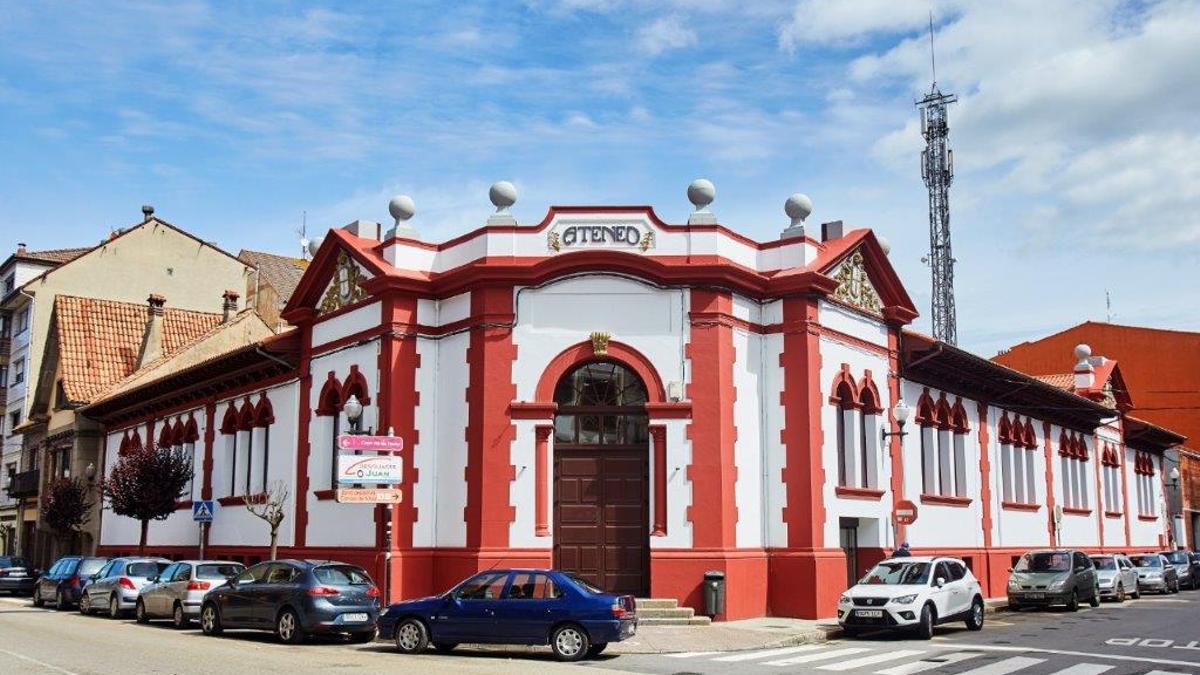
(514, 606)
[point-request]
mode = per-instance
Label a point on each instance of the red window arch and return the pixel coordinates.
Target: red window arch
(356, 385)
(329, 402)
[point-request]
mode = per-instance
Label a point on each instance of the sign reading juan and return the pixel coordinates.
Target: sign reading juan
(364, 469)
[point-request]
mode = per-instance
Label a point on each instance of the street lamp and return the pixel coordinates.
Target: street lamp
(354, 410)
(90, 472)
(1176, 525)
(901, 412)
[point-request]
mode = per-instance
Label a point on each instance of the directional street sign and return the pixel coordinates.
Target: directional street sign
(202, 511)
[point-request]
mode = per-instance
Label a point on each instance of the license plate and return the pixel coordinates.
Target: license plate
(869, 613)
(1037, 596)
(358, 617)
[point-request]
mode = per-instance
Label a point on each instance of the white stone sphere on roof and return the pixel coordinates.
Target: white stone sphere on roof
(314, 244)
(701, 192)
(798, 206)
(884, 244)
(503, 194)
(402, 207)
(1082, 352)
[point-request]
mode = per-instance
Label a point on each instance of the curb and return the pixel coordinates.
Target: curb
(989, 607)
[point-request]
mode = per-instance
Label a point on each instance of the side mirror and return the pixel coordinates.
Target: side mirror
(153, 579)
(1010, 570)
(941, 581)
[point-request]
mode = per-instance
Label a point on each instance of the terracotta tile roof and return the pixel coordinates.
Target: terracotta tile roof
(57, 256)
(280, 271)
(99, 340)
(1061, 380)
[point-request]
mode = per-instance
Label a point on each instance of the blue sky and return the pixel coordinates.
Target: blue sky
(1076, 140)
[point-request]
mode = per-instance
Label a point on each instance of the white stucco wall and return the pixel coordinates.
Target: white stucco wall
(750, 448)
(440, 454)
(355, 321)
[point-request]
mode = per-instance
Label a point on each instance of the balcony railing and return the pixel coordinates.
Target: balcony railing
(5, 347)
(24, 484)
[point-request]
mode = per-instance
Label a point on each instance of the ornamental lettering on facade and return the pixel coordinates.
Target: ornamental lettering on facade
(600, 235)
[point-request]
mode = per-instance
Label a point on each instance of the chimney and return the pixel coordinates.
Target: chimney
(1085, 373)
(21, 248)
(831, 230)
(229, 306)
(152, 342)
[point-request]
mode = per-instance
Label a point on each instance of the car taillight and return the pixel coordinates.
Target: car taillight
(3, 573)
(198, 585)
(72, 581)
(126, 582)
(372, 592)
(618, 610)
(319, 591)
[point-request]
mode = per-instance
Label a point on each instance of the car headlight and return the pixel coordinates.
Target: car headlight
(1058, 584)
(844, 600)
(1013, 585)
(905, 599)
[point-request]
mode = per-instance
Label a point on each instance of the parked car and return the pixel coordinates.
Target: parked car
(295, 599)
(177, 592)
(514, 606)
(914, 592)
(1053, 577)
(1182, 562)
(115, 587)
(1117, 577)
(1155, 573)
(17, 576)
(64, 582)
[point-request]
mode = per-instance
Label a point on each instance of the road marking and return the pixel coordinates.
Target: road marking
(1165, 672)
(819, 656)
(1090, 655)
(927, 664)
(40, 663)
(768, 653)
(690, 655)
(1003, 667)
(1084, 669)
(872, 659)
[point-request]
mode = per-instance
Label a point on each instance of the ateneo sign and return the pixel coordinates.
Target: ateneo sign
(366, 469)
(619, 235)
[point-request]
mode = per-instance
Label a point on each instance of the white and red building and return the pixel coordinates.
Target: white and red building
(640, 402)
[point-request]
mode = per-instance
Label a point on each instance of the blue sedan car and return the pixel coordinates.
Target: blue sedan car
(514, 606)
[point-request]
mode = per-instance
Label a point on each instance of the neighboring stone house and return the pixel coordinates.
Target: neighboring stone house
(269, 290)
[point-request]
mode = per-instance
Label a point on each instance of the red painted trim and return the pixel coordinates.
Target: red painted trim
(210, 436)
(303, 443)
(946, 500)
(363, 336)
(325, 495)
(985, 471)
(541, 510)
(866, 494)
(1125, 493)
(183, 504)
(1113, 514)
(1076, 511)
(1100, 496)
(577, 354)
(1148, 519)
(1019, 506)
(329, 402)
(801, 436)
(356, 383)
(681, 410)
(895, 447)
(241, 500)
(1049, 454)
(712, 431)
(658, 436)
(528, 410)
(843, 391)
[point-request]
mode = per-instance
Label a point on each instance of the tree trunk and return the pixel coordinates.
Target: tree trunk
(142, 542)
(274, 535)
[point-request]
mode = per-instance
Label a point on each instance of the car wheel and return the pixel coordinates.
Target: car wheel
(975, 616)
(1120, 593)
(445, 647)
(178, 618)
(288, 629)
(210, 620)
(114, 608)
(1095, 601)
(139, 612)
(1137, 593)
(85, 604)
(569, 642)
(411, 637)
(37, 599)
(1073, 603)
(925, 625)
(60, 601)
(595, 649)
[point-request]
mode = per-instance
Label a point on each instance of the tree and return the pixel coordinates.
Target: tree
(65, 505)
(270, 507)
(145, 483)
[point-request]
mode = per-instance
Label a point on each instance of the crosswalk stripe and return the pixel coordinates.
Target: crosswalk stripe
(1084, 669)
(819, 656)
(927, 664)
(689, 655)
(768, 653)
(1003, 667)
(1165, 672)
(872, 659)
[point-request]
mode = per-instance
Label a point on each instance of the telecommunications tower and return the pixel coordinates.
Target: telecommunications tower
(937, 170)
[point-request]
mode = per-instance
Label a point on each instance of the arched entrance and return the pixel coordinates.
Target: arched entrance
(601, 477)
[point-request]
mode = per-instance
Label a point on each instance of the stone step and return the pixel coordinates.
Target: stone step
(665, 612)
(691, 621)
(656, 603)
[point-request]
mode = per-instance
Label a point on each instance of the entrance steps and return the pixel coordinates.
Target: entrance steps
(667, 612)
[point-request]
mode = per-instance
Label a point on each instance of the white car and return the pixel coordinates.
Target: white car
(915, 593)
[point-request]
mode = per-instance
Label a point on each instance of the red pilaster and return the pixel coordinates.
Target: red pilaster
(210, 435)
(541, 435)
(895, 442)
(1101, 504)
(1048, 443)
(1125, 507)
(658, 437)
(303, 445)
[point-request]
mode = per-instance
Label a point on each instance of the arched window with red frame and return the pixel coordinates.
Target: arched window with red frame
(845, 404)
(870, 418)
(264, 417)
(926, 419)
(1008, 469)
(230, 426)
(329, 404)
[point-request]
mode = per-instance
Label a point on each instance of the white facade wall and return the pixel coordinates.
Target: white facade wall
(440, 453)
(1114, 528)
(1012, 528)
(1145, 533)
(751, 446)
(355, 321)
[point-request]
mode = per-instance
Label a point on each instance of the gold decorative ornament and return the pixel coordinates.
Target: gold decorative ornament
(854, 286)
(600, 343)
(346, 286)
(647, 240)
(552, 239)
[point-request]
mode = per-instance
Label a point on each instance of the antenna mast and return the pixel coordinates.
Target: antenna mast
(937, 170)
(303, 232)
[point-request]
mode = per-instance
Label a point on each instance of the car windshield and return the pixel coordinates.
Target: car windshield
(145, 570)
(91, 566)
(585, 584)
(342, 575)
(221, 571)
(1146, 561)
(895, 572)
(1104, 563)
(1177, 557)
(1044, 562)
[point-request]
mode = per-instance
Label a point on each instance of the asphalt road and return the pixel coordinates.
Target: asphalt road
(1153, 635)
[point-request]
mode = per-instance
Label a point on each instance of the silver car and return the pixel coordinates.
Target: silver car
(177, 592)
(115, 587)
(1117, 577)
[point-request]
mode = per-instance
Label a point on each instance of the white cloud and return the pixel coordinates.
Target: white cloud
(664, 33)
(823, 22)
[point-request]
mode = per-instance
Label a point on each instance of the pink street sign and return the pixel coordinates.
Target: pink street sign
(371, 443)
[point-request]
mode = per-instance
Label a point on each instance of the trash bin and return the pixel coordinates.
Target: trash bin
(714, 592)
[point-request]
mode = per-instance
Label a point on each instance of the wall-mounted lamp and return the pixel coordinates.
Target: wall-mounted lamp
(90, 472)
(901, 411)
(354, 411)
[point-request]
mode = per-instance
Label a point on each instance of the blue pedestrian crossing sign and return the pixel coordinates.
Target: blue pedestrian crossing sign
(202, 511)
